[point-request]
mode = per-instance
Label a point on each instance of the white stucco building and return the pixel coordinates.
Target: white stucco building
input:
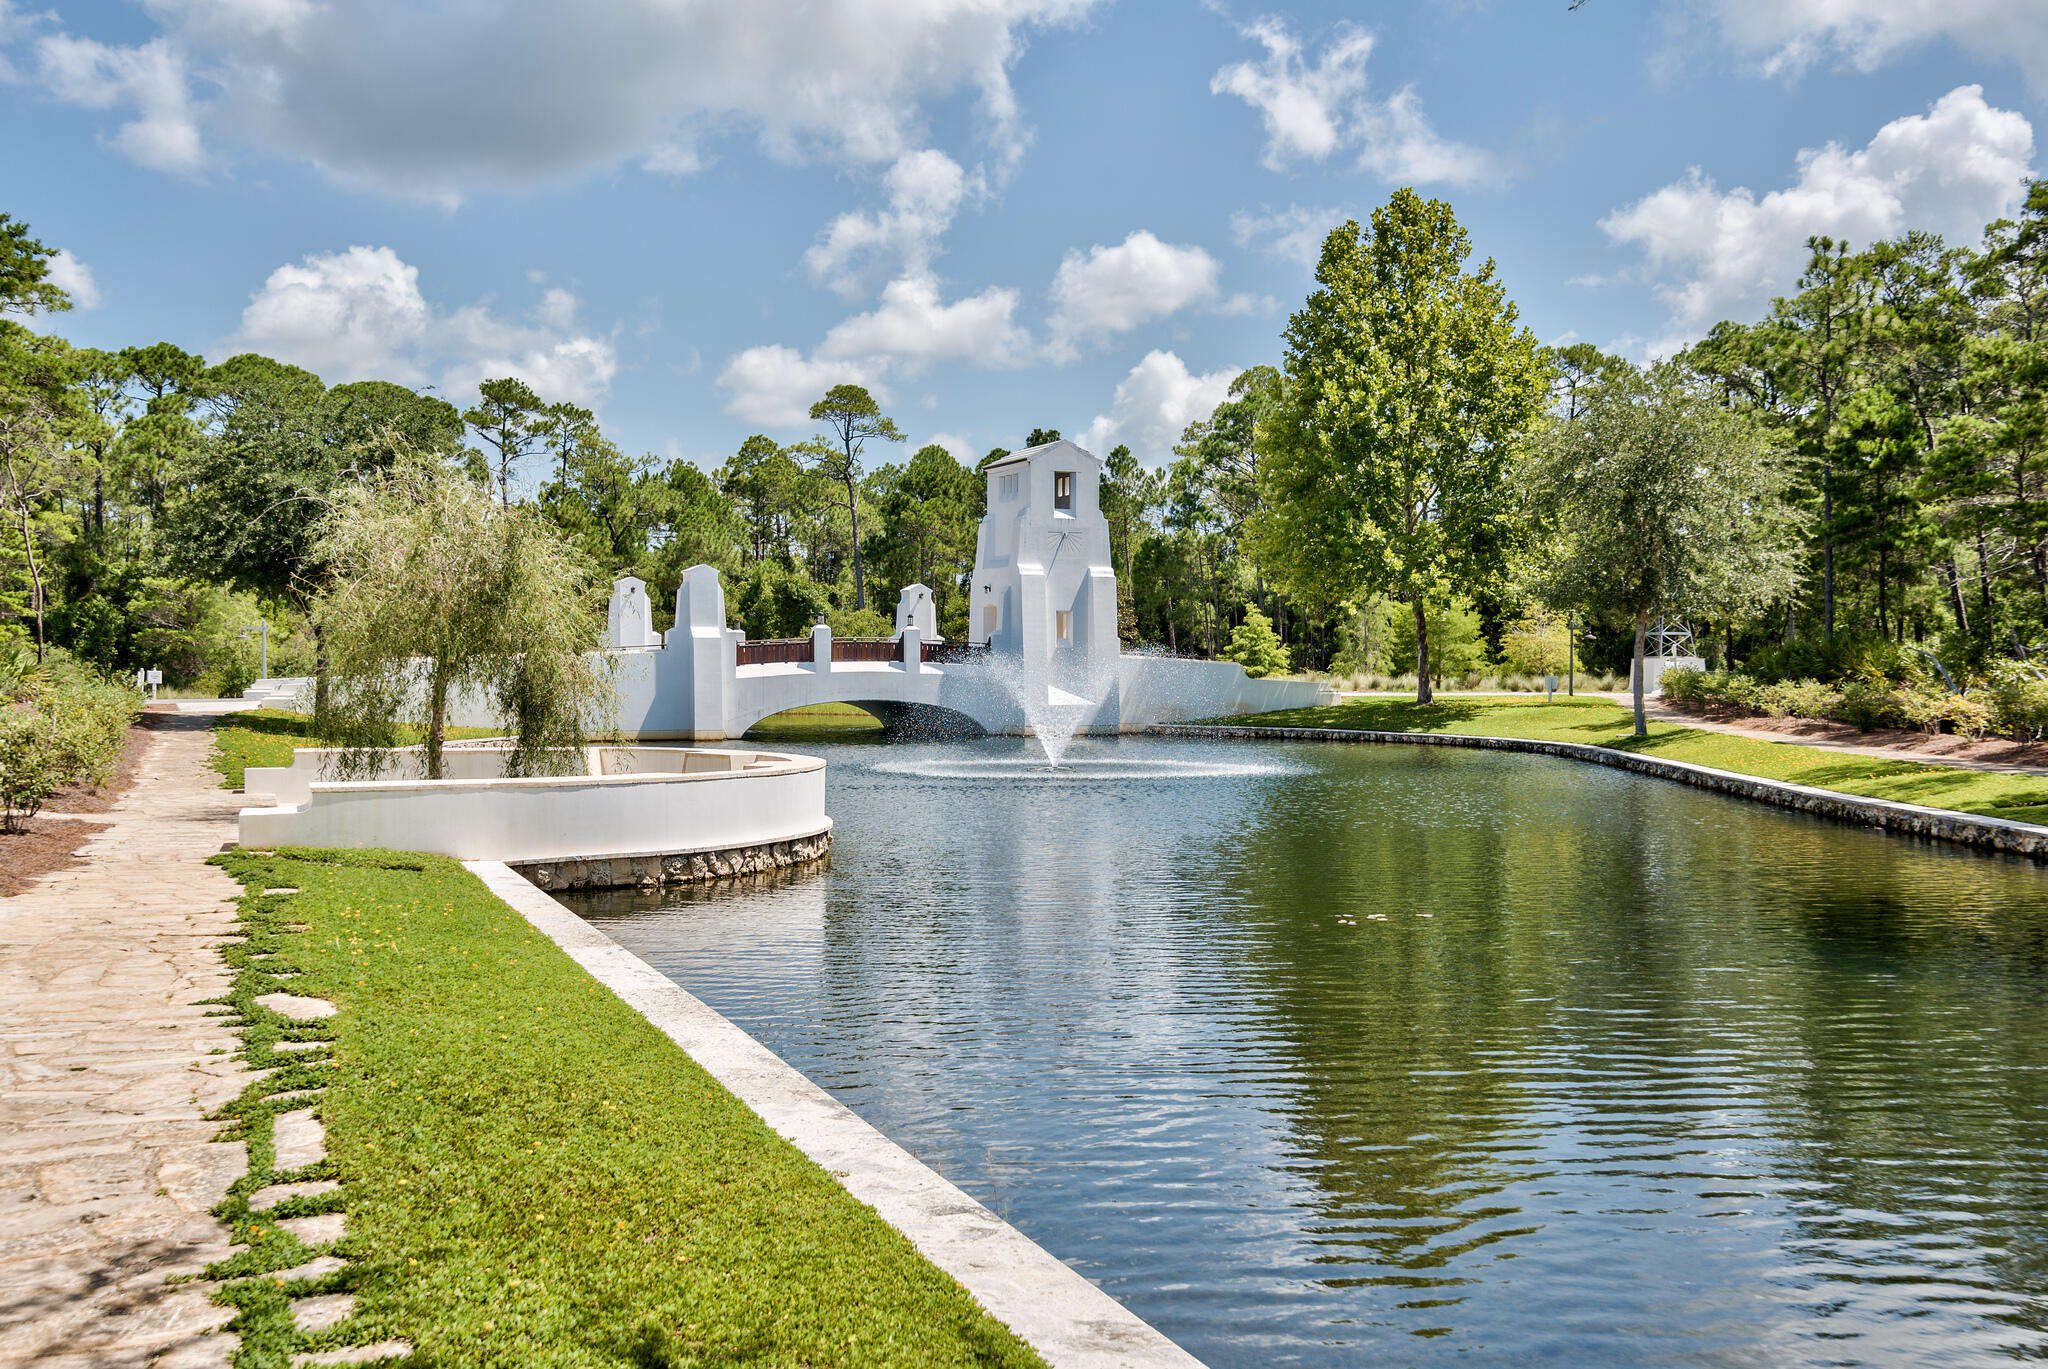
(1044, 585)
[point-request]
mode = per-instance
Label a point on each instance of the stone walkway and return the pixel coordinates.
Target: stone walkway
(108, 1066)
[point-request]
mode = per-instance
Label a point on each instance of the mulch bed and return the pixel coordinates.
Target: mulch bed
(1910, 745)
(48, 844)
(53, 839)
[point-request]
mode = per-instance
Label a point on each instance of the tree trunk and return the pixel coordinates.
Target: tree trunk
(1955, 592)
(1827, 547)
(35, 570)
(437, 720)
(1423, 693)
(1642, 627)
(319, 677)
(860, 593)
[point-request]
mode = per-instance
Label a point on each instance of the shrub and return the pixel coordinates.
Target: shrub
(1254, 646)
(69, 732)
(2019, 701)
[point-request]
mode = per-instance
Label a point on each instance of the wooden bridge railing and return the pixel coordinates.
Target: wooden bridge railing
(776, 651)
(790, 650)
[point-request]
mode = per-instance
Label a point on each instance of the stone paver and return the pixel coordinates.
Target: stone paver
(293, 1006)
(319, 1313)
(298, 1139)
(108, 1065)
(356, 1354)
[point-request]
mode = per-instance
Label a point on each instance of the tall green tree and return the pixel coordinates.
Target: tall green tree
(25, 284)
(511, 420)
(852, 419)
(1661, 501)
(1410, 389)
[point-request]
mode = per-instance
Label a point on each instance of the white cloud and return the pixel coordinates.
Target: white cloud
(908, 331)
(149, 80)
(1788, 36)
(1293, 234)
(925, 192)
(74, 278)
(912, 328)
(360, 315)
(1713, 254)
(1314, 110)
(957, 444)
(431, 100)
(775, 386)
(1154, 404)
(1111, 290)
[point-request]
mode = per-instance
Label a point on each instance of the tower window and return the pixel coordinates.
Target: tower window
(1063, 491)
(1006, 487)
(1063, 625)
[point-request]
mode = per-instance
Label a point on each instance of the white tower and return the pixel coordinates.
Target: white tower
(1044, 587)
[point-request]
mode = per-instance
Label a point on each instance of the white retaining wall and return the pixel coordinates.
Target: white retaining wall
(665, 800)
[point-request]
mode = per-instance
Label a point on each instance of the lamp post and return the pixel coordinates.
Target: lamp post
(262, 630)
(1571, 655)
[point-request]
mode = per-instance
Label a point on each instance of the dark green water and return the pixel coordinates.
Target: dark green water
(1389, 1056)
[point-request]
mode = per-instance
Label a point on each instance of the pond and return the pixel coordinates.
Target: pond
(1359, 1055)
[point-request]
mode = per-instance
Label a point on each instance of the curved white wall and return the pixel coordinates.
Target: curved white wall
(750, 798)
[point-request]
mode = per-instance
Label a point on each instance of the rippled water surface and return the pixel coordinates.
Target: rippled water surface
(1390, 1056)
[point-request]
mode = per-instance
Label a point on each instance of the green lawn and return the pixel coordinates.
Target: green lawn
(533, 1175)
(267, 736)
(817, 720)
(2022, 798)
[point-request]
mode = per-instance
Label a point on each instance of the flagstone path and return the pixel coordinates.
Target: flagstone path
(108, 1067)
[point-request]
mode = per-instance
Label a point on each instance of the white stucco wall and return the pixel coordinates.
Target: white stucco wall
(1164, 689)
(750, 799)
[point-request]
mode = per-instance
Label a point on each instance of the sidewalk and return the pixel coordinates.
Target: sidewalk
(108, 1066)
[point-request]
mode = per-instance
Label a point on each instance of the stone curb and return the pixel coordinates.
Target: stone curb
(1068, 1320)
(688, 867)
(1908, 819)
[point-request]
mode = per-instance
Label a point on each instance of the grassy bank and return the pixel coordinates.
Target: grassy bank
(533, 1175)
(267, 736)
(814, 720)
(2022, 798)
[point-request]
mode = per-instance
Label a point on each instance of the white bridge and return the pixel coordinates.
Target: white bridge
(1043, 654)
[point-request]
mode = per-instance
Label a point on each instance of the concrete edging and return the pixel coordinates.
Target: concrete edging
(1065, 1318)
(1909, 819)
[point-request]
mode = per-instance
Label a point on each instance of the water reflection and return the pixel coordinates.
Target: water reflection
(1399, 1056)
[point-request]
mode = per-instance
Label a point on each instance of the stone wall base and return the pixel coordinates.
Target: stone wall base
(688, 867)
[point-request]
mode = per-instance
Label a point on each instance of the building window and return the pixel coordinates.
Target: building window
(1063, 491)
(1006, 487)
(991, 616)
(1063, 625)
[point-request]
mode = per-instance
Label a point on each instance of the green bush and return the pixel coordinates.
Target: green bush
(1254, 646)
(2019, 701)
(68, 731)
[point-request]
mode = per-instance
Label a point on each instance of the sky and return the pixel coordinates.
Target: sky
(696, 216)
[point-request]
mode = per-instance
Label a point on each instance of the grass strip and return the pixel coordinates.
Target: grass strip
(268, 736)
(812, 720)
(2020, 798)
(533, 1174)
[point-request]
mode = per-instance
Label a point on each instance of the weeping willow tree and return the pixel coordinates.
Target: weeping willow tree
(438, 594)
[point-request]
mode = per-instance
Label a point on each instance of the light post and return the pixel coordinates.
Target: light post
(262, 630)
(1571, 655)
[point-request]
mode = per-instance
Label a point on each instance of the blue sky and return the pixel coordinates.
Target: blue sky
(999, 214)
